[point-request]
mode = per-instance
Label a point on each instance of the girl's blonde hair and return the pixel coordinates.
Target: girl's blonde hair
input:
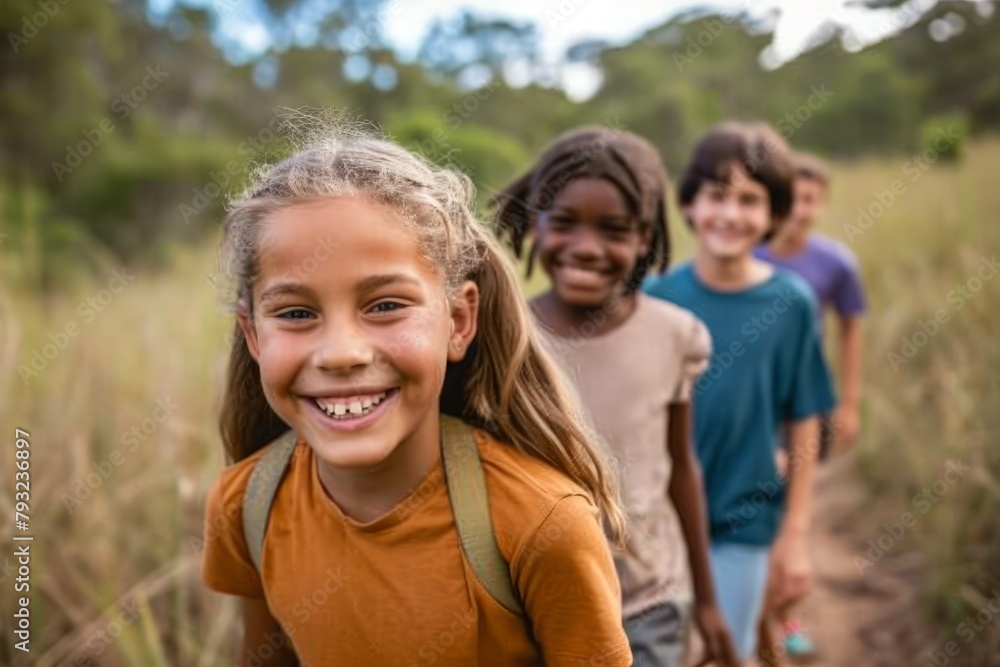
(513, 390)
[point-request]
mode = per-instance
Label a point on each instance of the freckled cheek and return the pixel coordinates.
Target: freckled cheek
(418, 346)
(281, 357)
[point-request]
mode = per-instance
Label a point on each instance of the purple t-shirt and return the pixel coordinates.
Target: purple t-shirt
(830, 268)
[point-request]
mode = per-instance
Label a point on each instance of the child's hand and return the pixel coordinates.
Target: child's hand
(790, 575)
(846, 424)
(781, 462)
(719, 649)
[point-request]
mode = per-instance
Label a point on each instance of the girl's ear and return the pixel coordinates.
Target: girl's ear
(249, 332)
(464, 317)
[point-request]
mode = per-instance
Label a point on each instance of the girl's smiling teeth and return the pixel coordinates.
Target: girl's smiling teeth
(581, 275)
(350, 407)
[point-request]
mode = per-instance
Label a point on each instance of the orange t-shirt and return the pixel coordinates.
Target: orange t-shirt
(398, 592)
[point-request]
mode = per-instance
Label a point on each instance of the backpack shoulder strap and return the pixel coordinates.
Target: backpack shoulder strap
(259, 494)
(470, 505)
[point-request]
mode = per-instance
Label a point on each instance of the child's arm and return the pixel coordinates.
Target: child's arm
(849, 303)
(809, 395)
(846, 421)
(227, 568)
(687, 493)
(263, 636)
(790, 568)
(569, 587)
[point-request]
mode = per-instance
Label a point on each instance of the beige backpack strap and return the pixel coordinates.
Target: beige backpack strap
(259, 494)
(470, 505)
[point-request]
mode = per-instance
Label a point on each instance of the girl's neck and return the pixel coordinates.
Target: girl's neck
(789, 245)
(730, 275)
(567, 321)
(366, 494)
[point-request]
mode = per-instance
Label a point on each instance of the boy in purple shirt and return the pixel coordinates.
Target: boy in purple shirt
(831, 270)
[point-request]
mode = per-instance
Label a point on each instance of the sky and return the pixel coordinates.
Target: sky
(798, 25)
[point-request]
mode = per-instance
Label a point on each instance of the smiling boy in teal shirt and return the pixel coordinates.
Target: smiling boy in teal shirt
(766, 375)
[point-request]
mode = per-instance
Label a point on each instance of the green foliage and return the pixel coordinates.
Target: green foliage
(132, 174)
(488, 158)
(946, 136)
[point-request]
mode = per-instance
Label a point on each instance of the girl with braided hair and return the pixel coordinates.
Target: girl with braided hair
(593, 209)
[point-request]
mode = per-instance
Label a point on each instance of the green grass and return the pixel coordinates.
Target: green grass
(164, 336)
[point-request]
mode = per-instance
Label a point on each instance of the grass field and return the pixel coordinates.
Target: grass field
(122, 401)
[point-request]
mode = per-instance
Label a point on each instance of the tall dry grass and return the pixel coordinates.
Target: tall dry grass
(943, 404)
(163, 339)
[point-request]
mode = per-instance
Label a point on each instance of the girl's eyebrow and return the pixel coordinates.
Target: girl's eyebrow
(281, 289)
(367, 284)
(373, 282)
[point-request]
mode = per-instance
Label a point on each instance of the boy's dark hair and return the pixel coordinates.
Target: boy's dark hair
(813, 168)
(625, 159)
(754, 147)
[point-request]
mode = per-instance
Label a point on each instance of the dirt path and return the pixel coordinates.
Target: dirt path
(855, 619)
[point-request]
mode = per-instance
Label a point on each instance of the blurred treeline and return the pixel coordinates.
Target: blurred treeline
(86, 172)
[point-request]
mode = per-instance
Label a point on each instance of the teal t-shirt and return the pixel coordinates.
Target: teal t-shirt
(766, 368)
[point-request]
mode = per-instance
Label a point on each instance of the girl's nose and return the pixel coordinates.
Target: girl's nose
(585, 244)
(729, 211)
(345, 346)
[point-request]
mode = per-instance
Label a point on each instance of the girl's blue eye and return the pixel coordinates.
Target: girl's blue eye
(296, 314)
(385, 307)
